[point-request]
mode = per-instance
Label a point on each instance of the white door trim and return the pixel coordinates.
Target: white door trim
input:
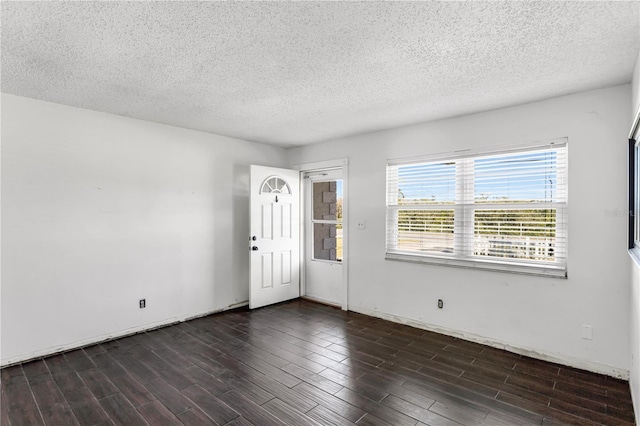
(341, 163)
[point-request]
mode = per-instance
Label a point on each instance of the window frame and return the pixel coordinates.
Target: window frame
(633, 241)
(326, 176)
(633, 227)
(464, 229)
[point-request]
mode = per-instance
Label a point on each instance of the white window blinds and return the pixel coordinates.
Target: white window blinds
(502, 210)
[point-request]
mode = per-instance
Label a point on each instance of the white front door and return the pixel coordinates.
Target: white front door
(275, 235)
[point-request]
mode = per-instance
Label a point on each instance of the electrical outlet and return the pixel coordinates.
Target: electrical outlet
(440, 304)
(143, 303)
(360, 224)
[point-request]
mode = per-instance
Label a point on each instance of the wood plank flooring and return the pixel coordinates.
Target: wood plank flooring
(302, 363)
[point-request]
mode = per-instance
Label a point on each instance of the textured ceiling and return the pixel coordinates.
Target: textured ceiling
(296, 73)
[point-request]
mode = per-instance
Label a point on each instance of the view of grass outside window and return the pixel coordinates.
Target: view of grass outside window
(500, 207)
(430, 230)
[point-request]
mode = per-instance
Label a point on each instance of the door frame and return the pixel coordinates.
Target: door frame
(320, 166)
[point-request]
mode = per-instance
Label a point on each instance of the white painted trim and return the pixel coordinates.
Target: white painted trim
(111, 336)
(633, 400)
(319, 165)
(635, 126)
(303, 236)
(634, 253)
(582, 364)
(0, 233)
(322, 301)
(216, 311)
(345, 236)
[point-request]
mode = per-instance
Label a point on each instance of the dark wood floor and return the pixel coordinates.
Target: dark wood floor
(302, 363)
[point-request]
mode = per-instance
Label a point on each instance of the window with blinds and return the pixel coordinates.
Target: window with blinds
(504, 210)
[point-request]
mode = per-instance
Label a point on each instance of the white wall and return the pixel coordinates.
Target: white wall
(634, 336)
(538, 316)
(99, 211)
(634, 342)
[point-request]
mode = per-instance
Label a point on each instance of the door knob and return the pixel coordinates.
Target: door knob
(254, 248)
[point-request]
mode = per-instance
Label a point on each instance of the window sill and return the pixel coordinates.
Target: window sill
(634, 253)
(515, 268)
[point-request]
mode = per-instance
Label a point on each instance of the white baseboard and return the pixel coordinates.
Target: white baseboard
(18, 359)
(216, 311)
(582, 364)
(636, 409)
(556, 358)
(321, 301)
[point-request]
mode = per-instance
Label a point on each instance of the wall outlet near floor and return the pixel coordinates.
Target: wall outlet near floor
(143, 303)
(360, 224)
(587, 332)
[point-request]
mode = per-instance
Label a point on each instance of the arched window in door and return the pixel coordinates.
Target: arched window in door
(275, 185)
